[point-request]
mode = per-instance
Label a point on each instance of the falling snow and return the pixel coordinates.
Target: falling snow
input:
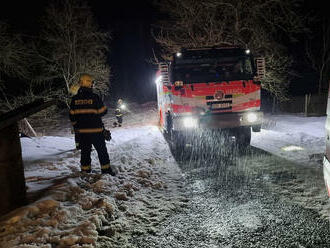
(68, 209)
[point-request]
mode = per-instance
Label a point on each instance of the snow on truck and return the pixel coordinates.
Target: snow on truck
(210, 88)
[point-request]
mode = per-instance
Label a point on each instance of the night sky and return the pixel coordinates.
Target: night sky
(131, 46)
(129, 23)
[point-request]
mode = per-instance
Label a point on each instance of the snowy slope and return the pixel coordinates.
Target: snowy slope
(76, 211)
(294, 137)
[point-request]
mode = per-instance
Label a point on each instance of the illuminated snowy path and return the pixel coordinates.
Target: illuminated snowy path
(240, 207)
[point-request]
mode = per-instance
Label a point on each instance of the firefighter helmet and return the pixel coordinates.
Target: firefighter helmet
(86, 80)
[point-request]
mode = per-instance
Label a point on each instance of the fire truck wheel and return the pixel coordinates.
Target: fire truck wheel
(243, 137)
(256, 128)
(178, 143)
(169, 123)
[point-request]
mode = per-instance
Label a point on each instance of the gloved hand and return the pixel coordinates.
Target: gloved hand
(107, 134)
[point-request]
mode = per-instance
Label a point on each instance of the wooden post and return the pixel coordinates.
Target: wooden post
(307, 102)
(274, 105)
(12, 181)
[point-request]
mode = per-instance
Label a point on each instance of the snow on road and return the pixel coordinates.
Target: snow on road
(68, 210)
(299, 144)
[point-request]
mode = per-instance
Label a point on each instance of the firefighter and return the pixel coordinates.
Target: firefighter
(119, 114)
(86, 110)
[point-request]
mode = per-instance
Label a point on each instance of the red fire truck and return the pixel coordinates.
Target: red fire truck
(210, 88)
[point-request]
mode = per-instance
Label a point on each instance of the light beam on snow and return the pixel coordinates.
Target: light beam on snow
(154, 128)
(292, 148)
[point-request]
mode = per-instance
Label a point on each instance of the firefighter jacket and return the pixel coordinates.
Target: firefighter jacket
(118, 112)
(86, 110)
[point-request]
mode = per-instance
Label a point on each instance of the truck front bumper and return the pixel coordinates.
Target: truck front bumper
(326, 173)
(217, 121)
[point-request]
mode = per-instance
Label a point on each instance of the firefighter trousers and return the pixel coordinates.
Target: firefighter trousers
(119, 119)
(86, 142)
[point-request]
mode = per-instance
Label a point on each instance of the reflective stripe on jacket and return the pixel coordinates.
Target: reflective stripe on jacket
(86, 110)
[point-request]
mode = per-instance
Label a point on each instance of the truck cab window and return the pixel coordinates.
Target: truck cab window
(248, 69)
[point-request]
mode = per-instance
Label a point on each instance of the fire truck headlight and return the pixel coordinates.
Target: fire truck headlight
(251, 117)
(157, 81)
(190, 122)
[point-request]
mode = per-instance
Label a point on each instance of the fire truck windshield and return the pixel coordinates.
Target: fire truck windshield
(213, 69)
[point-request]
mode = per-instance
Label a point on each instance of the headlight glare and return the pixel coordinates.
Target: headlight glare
(158, 79)
(190, 122)
(251, 117)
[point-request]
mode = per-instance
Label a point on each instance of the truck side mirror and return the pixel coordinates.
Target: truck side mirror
(261, 69)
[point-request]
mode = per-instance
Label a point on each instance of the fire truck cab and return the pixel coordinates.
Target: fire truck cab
(210, 88)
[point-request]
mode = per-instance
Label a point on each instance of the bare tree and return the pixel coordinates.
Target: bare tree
(13, 54)
(14, 61)
(318, 54)
(260, 25)
(71, 44)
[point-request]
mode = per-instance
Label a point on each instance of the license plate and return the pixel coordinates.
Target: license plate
(221, 105)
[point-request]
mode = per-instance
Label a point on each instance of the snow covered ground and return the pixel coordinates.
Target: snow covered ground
(299, 143)
(294, 137)
(67, 210)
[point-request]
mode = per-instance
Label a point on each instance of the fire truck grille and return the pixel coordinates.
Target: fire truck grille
(212, 97)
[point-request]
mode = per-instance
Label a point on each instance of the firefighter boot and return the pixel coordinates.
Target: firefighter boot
(106, 169)
(119, 120)
(86, 168)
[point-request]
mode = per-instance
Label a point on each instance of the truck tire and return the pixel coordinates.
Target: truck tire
(243, 137)
(256, 128)
(177, 143)
(167, 128)
(179, 146)
(169, 123)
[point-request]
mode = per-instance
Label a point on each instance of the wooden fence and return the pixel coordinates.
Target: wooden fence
(309, 104)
